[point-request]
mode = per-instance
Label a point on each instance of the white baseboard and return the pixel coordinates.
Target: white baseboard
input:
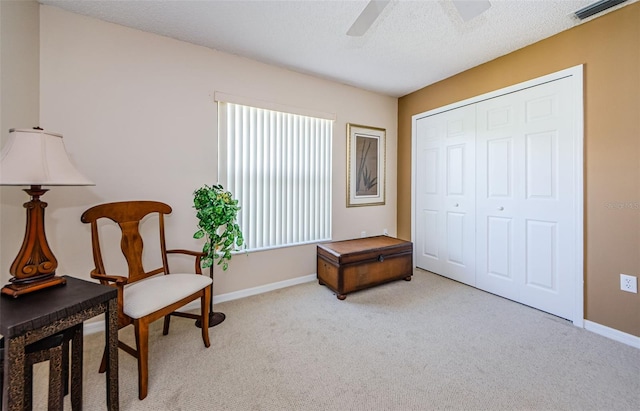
(236, 295)
(98, 326)
(612, 333)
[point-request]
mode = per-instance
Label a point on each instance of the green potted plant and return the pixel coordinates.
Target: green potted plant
(217, 213)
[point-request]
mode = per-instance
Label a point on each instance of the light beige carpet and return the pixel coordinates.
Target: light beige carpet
(427, 344)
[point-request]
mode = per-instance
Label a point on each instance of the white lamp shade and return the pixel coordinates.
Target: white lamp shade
(37, 157)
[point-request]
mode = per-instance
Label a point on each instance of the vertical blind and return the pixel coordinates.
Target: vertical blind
(278, 166)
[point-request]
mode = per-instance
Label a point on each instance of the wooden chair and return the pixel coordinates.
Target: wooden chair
(54, 349)
(146, 296)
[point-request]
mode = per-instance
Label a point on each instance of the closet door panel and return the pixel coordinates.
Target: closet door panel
(549, 200)
(455, 237)
(525, 146)
(499, 171)
(445, 204)
(429, 192)
(499, 165)
(542, 249)
(430, 243)
(499, 239)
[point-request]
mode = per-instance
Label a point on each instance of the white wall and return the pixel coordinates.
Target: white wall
(138, 118)
(19, 107)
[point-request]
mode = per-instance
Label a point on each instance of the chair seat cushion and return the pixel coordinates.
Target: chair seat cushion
(149, 295)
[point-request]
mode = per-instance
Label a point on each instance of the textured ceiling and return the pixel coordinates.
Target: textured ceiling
(412, 43)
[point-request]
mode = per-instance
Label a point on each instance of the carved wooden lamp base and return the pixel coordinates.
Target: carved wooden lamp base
(15, 290)
(34, 267)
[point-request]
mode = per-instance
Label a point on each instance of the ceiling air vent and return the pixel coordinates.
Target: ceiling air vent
(596, 8)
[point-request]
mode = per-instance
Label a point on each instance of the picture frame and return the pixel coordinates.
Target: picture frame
(366, 165)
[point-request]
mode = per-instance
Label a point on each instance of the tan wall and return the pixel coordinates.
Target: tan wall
(19, 64)
(609, 48)
(138, 118)
(19, 102)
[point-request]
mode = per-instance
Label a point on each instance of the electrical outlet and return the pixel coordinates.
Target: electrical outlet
(385, 232)
(363, 234)
(628, 283)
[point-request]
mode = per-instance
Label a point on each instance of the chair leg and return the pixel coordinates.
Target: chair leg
(142, 345)
(165, 328)
(76, 368)
(204, 310)
(103, 363)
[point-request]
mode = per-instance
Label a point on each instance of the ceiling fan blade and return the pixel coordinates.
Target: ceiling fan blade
(470, 9)
(367, 17)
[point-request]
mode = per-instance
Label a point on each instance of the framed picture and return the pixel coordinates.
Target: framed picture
(366, 152)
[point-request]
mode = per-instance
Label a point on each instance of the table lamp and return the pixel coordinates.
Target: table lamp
(35, 158)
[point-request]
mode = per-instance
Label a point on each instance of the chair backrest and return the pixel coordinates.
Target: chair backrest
(127, 214)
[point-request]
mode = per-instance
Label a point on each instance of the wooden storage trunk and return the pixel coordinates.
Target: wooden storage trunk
(351, 265)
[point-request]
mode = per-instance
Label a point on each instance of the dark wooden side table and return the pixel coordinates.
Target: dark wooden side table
(33, 316)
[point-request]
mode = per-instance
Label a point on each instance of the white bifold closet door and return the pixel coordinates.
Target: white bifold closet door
(445, 191)
(525, 243)
(495, 195)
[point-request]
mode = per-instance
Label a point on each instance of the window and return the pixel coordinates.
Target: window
(278, 166)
